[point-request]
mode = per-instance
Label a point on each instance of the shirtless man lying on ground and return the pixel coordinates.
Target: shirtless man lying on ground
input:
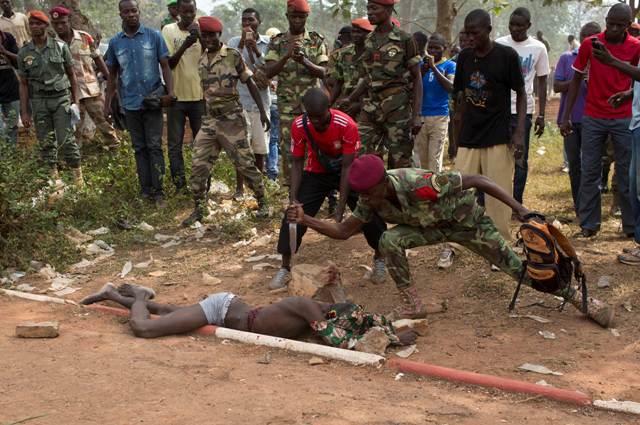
(292, 317)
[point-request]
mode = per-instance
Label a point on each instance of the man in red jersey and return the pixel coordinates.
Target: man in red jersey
(604, 115)
(331, 140)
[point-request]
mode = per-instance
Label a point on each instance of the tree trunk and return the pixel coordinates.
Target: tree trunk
(447, 12)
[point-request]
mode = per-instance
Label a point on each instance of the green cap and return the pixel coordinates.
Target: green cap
(172, 2)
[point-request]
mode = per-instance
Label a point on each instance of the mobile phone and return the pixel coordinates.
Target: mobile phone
(248, 35)
(596, 43)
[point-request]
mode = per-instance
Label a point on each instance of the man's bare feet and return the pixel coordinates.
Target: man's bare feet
(102, 295)
(136, 291)
(407, 337)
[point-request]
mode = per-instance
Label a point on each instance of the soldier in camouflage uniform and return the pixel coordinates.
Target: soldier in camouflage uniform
(345, 67)
(429, 208)
(223, 125)
(392, 86)
(298, 57)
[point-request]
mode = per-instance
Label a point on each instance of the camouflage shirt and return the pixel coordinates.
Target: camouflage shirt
(345, 66)
(294, 80)
(387, 59)
(426, 200)
(219, 75)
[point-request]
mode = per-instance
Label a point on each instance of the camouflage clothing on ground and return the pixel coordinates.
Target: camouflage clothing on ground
(385, 120)
(223, 125)
(435, 209)
(294, 80)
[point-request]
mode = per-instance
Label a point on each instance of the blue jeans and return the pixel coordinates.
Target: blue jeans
(274, 138)
(145, 128)
(521, 173)
(9, 122)
(573, 152)
(634, 181)
(594, 137)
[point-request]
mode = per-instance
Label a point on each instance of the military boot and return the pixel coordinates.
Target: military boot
(78, 180)
(196, 215)
(411, 306)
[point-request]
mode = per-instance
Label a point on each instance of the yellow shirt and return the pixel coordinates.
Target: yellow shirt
(17, 26)
(186, 79)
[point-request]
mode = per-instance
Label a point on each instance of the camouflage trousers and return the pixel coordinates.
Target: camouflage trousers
(52, 119)
(228, 132)
(94, 108)
(286, 120)
(385, 125)
(479, 235)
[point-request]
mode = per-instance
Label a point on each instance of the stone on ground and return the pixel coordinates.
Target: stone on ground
(317, 282)
(37, 330)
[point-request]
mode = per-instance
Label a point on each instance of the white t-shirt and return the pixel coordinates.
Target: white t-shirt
(534, 61)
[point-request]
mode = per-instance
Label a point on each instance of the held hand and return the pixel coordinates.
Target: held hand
(603, 54)
(618, 99)
(521, 213)
(416, 125)
(538, 128)
(295, 213)
(167, 100)
(297, 53)
(250, 44)
(26, 119)
(266, 124)
(354, 109)
(566, 128)
(428, 60)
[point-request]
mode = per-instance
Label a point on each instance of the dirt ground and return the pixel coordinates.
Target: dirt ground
(97, 372)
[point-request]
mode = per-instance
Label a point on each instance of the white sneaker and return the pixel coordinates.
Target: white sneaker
(446, 258)
(280, 280)
(495, 268)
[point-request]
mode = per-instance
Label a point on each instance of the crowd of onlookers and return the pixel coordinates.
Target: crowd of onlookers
(408, 95)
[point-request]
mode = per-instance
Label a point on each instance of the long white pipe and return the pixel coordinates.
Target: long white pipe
(36, 297)
(353, 357)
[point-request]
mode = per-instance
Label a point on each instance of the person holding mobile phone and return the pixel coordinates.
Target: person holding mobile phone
(253, 46)
(604, 116)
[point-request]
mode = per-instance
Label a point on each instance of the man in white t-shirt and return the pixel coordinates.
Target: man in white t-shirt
(14, 23)
(534, 62)
(184, 53)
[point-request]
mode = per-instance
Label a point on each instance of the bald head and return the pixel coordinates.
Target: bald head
(316, 101)
(620, 11)
(617, 21)
(479, 18)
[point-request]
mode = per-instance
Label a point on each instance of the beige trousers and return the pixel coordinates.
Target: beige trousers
(497, 163)
(429, 143)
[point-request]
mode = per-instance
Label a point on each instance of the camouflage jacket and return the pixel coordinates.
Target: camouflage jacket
(219, 75)
(294, 80)
(345, 66)
(387, 59)
(426, 200)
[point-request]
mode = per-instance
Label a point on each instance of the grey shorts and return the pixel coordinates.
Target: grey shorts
(215, 307)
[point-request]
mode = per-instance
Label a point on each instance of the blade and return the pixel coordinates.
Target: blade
(293, 238)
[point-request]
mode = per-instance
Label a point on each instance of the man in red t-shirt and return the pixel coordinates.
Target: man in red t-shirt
(604, 116)
(334, 135)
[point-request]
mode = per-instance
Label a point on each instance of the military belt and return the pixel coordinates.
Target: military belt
(222, 110)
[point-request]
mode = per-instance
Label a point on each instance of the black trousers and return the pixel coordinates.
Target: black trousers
(314, 188)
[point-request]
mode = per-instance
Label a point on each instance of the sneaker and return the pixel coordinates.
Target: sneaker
(196, 215)
(411, 306)
(630, 250)
(495, 268)
(378, 272)
(631, 257)
(586, 233)
(446, 258)
(280, 280)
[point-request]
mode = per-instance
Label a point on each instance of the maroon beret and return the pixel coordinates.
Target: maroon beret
(58, 11)
(365, 172)
(210, 24)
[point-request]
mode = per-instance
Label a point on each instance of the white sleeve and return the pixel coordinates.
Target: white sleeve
(542, 65)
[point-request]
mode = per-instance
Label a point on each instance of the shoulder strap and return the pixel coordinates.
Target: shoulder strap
(305, 125)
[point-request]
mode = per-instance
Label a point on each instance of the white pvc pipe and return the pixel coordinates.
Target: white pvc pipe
(353, 357)
(35, 297)
(618, 406)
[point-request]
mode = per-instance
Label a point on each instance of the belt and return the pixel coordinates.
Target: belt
(222, 110)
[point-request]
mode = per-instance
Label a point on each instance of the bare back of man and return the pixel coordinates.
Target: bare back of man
(287, 318)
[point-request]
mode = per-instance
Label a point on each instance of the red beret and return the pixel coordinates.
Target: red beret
(365, 172)
(39, 15)
(363, 24)
(298, 6)
(59, 11)
(210, 24)
(385, 2)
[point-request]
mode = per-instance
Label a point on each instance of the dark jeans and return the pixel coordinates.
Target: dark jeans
(274, 143)
(177, 116)
(314, 188)
(145, 128)
(594, 137)
(520, 174)
(634, 183)
(573, 149)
